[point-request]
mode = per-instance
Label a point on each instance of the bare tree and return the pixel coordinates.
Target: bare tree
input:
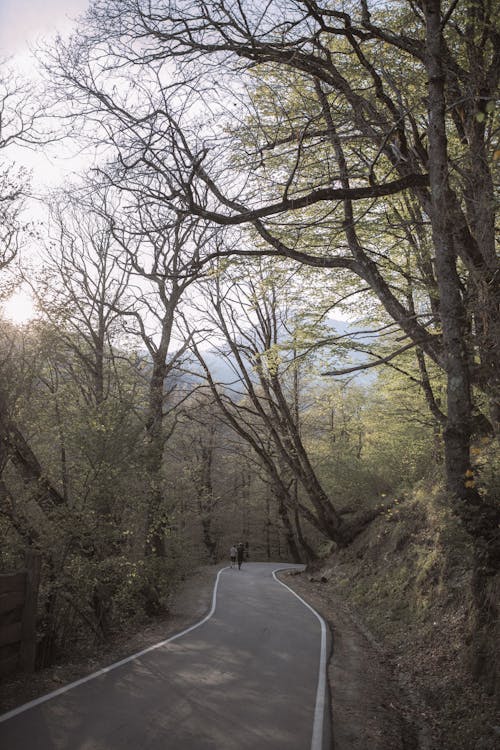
(79, 290)
(250, 317)
(20, 115)
(160, 251)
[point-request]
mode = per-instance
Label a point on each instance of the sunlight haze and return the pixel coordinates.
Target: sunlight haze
(19, 308)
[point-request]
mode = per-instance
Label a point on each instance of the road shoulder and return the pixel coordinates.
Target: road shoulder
(189, 604)
(369, 708)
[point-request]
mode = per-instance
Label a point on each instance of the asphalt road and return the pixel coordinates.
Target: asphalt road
(251, 675)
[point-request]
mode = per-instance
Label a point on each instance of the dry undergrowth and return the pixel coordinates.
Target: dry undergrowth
(405, 585)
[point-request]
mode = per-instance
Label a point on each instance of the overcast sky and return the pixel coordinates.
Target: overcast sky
(23, 22)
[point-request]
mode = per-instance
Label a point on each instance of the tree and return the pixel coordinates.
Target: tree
(161, 251)
(378, 138)
(20, 115)
(80, 288)
(251, 316)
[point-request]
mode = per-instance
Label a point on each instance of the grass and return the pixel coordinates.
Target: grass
(408, 577)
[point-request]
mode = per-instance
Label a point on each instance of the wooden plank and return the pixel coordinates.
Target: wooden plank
(12, 582)
(11, 649)
(9, 665)
(11, 601)
(10, 633)
(13, 615)
(28, 643)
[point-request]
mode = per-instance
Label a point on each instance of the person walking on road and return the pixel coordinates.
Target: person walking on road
(233, 554)
(240, 550)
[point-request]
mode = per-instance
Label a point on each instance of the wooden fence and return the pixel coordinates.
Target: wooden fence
(18, 609)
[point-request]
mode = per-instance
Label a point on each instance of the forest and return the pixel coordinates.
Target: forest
(266, 308)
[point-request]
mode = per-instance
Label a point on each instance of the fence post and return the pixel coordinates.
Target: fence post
(27, 652)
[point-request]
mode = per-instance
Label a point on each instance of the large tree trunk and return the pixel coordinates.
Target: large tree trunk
(287, 526)
(481, 517)
(26, 463)
(452, 309)
(155, 523)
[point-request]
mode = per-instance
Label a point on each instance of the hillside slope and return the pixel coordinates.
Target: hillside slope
(399, 599)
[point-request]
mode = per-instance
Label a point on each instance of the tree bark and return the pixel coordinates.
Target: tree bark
(288, 528)
(457, 429)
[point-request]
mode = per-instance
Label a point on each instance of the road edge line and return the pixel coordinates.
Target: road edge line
(48, 696)
(319, 707)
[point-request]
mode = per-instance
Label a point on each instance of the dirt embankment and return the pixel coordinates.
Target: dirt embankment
(405, 658)
(369, 708)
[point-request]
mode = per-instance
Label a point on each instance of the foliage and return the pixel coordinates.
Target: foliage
(262, 174)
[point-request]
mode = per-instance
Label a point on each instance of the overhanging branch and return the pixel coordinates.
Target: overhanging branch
(315, 196)
(368, 365)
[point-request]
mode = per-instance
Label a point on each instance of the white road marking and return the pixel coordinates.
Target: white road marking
(319, 710)
(105, 670)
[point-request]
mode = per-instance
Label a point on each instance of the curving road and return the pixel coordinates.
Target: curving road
(249, 676)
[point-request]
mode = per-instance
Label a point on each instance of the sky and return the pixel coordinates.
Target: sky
(23, 22)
